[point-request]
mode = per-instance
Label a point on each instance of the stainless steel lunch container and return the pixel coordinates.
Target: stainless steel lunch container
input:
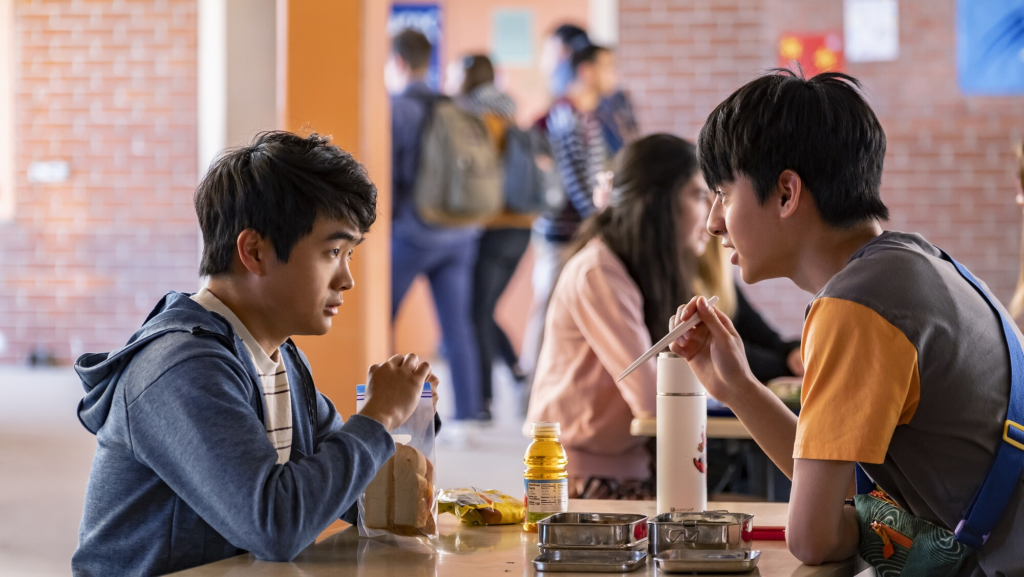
(707, 530)
(592, 531)
(593, 561)
(706, 561)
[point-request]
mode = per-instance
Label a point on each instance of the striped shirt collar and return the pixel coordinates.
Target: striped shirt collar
(265, 364)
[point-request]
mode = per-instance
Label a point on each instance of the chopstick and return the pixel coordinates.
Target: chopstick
(666, 341)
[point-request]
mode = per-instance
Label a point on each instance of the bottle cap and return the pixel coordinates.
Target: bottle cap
(544, 429)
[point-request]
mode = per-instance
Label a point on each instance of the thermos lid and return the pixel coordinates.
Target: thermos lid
(675, 376)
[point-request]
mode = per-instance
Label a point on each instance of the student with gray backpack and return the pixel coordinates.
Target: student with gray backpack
(507, 235)
(445, 180)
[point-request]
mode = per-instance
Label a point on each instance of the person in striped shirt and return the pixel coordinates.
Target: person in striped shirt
(212, 438)
(581, 149)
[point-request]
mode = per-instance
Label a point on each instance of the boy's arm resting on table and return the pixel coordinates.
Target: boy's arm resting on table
(201, 436)
(821, 527)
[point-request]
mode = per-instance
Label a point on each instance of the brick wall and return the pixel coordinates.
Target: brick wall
(950, 169)
(109, 87)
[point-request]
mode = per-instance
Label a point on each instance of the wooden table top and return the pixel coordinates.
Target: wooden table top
(499, 550)
(718, 428)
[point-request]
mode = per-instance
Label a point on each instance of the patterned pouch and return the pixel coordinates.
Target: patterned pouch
(896, 542)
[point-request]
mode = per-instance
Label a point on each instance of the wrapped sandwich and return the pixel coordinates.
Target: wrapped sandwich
(400, 499)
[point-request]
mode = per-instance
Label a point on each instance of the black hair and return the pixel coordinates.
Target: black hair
(279, 185)
(821, 128)
(639, 224)
(586, 55)
(478, 71)
(572, 37)
(413, 47)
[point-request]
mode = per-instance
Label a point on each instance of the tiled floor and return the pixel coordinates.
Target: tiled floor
(45, 456)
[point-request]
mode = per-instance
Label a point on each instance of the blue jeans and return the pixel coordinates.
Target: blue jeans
(449, 269)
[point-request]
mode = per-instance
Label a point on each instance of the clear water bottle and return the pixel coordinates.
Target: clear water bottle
(682, 437)
(546, 479)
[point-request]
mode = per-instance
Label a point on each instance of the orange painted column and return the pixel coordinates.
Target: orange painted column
(331, 56)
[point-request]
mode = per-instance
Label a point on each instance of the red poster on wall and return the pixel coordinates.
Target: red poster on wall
(819, 52)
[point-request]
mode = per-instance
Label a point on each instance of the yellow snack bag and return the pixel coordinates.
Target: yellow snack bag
(480, 507)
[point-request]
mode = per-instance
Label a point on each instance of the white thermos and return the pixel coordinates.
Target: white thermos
(682, 437)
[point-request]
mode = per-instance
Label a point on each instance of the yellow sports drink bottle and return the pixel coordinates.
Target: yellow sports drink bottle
(547, 484)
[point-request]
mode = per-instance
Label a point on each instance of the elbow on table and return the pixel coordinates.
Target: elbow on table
(809, 549)
(273, 546)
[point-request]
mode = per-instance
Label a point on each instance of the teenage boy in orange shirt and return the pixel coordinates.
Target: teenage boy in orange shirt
(907, 367)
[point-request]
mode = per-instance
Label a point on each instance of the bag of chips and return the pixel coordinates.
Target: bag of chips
(480, 507)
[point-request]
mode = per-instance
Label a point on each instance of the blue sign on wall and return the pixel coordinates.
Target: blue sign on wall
(990, 46)
(427, 19)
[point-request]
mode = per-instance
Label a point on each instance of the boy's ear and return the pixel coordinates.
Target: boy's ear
(253, 251)
(791, 192)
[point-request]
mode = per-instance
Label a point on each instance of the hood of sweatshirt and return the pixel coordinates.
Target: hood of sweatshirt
(175, 312)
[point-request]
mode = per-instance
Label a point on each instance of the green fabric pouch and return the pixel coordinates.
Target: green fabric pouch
(897, 543)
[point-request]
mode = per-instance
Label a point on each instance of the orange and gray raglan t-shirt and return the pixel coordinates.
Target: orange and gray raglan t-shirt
(907, 373)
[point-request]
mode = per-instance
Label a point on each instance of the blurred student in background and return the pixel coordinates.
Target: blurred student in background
(505, 237)
(556, 56)
(615, 108)
(1017, 304)
(580, 150)
(446, 255)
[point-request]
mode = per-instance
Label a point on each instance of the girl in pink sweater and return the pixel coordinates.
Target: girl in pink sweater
(635, 262)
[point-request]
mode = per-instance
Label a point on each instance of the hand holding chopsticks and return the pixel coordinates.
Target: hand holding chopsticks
(666, 341)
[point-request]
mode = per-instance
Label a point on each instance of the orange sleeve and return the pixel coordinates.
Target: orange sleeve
(861, 381)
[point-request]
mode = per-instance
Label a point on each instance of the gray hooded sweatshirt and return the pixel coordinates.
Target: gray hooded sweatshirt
(184, 473)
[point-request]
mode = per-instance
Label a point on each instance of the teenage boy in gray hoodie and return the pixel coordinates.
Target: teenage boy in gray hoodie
(212, 439)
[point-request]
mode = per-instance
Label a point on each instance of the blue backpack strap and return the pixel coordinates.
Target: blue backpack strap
(864, 483)
(991, 498)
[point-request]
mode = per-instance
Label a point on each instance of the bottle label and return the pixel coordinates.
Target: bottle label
(545, 498)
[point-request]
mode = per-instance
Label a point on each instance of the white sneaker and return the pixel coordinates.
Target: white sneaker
(457, 434)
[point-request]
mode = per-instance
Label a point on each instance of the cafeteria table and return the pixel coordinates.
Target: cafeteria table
(505, 550)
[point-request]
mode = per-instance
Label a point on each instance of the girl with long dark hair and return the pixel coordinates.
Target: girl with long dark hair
(635, 261)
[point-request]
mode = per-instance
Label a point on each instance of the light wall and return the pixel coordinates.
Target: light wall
(252, 78)
(110, 89)
(7, 48)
